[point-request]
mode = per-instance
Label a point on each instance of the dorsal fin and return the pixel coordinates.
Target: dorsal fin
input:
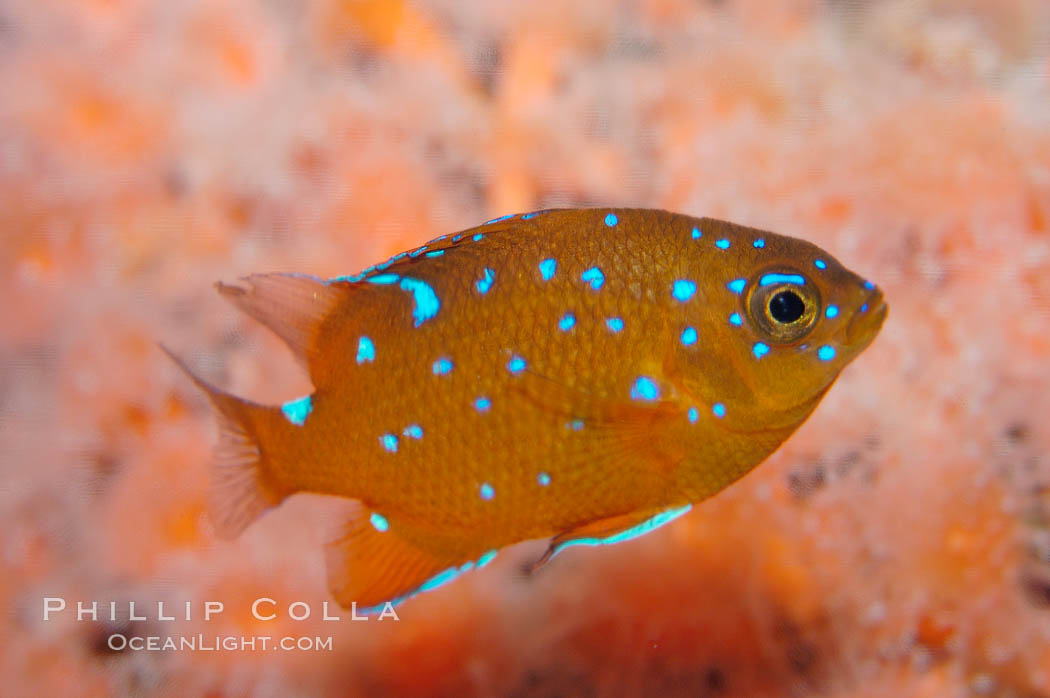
(294, 306)
(429, 253)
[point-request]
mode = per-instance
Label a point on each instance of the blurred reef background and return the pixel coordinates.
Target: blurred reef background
(898, 545)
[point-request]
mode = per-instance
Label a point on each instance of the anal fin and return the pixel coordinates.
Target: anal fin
(372, 565)
(614, 529)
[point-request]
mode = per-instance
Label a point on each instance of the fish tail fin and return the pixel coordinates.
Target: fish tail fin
(243, 485)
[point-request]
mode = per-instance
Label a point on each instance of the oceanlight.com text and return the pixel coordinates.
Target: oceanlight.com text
(119, 642)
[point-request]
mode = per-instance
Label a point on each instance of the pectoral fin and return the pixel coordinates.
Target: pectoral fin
(610, 429)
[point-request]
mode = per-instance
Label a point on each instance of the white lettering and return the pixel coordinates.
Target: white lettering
(255, 608)
(81, 611)
(50, 606)
(212, 607)
(306, 610)
(388, 611)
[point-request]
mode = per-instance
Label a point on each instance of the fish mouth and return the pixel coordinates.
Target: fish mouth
(866, 323)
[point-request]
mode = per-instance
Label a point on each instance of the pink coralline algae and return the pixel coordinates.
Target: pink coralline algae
(898, 545)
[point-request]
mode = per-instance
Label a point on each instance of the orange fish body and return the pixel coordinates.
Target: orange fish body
(584, 375)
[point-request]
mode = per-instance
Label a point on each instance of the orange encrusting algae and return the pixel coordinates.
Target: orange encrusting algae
(585, 375)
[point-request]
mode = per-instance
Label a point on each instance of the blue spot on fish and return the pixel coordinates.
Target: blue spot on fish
(296, 411)
(427, 303)
(644, 388)
(832, 311)
(485, 283)
(864, 308)
(486, 491)
(719, 409)
(478, 237)
(527, 216)
(575, 425)
(544, 479)
(694, 414)
(759, 243)
(760, 349)
(482, 404)
(826, 353)
(435, 253)
(611, 219)
(615, 324)
(442, 579)
(697, 233)
(486, 558)
(379, 522)
(442, 366)
(416, 252)
(734, 319)
(366, 350)
(722, 244)
(683, 289)
(820, 264)
(737, 285)
(689, 336)
(594, 277)
(389, 442)
(566, 322)
(781, 278)
(547, 269)
(414, 431)
(516, 364)
(384, 279)
(633, 532)
(350, 279)
(500, 219)
(457, 237)
(868, 285)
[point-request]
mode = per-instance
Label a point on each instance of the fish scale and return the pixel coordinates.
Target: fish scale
(681, 372)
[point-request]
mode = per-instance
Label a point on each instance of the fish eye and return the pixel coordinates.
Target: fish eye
(784, 306)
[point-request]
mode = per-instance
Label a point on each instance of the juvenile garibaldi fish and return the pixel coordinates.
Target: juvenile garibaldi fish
(584, 375)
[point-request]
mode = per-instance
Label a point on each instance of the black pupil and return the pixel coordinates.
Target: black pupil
(786, 307)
